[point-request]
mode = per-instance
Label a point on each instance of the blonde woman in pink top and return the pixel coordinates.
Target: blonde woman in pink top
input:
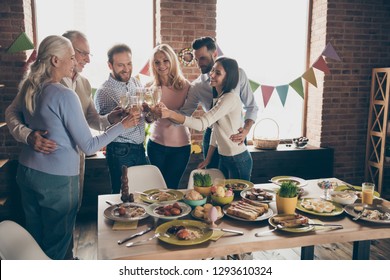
(169, 146)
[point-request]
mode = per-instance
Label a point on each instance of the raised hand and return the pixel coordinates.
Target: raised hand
(131, 120)
(115, 115)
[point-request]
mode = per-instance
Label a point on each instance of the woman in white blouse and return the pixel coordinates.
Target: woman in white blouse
(226, 119)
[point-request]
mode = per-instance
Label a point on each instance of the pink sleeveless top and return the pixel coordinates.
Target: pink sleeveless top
(163, 131)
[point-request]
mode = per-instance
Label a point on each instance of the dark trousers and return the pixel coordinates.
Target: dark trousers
(119, 154)
(172, 161)
(215, 160)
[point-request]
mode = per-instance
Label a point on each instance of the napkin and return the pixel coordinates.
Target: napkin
(217, 234)
(124, 225)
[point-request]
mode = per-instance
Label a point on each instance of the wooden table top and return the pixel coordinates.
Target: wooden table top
(232, 244)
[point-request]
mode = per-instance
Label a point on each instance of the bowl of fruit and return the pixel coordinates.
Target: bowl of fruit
(221, 195)
(300, 142)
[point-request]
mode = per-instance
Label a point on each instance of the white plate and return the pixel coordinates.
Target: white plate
(112, 213)
(265, 216)
(244, 192)
(279, 179)
(185, 210)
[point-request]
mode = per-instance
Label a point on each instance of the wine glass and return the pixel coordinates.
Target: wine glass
(157, 92)
(148, 98)
(124, 101)
(327, 186)
(134, 103)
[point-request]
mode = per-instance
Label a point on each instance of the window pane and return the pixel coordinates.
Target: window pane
(105, 23)
(268, 39)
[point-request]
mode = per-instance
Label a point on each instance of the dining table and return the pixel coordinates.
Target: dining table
(360, 232)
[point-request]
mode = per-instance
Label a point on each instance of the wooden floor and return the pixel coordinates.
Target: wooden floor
(85, 247)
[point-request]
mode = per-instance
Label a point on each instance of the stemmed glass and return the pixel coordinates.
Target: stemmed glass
(135, 106)
(327, 186)
(124, 101)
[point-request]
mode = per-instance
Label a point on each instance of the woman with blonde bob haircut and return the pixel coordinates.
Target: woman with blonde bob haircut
(169, 146)
(49, 182)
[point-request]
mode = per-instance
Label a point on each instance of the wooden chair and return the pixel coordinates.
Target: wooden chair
(16, 243)
(214, 173)
(145, 177)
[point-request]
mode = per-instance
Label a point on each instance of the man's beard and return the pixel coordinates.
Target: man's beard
(118, 77)
(206, 69)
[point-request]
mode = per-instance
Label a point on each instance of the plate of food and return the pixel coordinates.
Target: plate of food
(124, 212)
(291, 223)
(184, 232)
(238, 185)
(319, 207)
(296, 180)
(356, 189)
(248, 210)
(168, 210)
(258, 194)
(160, 195)
(374, 214)
(203, 212)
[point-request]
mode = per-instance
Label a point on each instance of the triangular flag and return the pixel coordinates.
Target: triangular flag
(22, 43)
(253, 85)
(282, 92)
(138, 77)
(145, 69)
(310, 77)
(320, 64)
(219, 51)
(297, 86)
(267, 93)
(330, 52)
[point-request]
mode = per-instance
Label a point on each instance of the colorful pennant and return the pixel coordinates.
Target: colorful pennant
(282, 92)
(253, 85)
(267, 93)
(310, 77)
(330, 52)
(145, 69)
(22, 43)
(320, 64)
(298, 86)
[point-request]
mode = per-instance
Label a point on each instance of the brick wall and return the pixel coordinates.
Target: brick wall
(15, 16)
(178, 23)
(338, 109)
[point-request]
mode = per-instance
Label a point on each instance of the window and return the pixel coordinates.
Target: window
(269, 41)
(105, 23)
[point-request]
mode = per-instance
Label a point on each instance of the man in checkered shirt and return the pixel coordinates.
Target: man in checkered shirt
(128, 148)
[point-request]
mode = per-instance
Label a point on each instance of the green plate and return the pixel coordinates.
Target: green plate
(239, 181)
(359, 188)
(202, 228)
(299, 181)
(151, 196)
(291, 229)
(337, 211)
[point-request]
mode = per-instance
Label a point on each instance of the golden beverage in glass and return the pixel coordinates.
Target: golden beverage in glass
(367, 193)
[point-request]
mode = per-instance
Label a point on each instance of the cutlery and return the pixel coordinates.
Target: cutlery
(146, 240)
(258, 234)
(134, 235)
(228, 230)
(324, 225)
(276, 183)
(349, 186)
(145, 194)
(358, 216)
(112, 204)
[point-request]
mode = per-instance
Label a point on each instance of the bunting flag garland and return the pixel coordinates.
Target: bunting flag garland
(267, 93)
(282, 92)
(298, 86)
(330, 52)
(310, 77)
(320, 64)
(253, 85)
(22, 43)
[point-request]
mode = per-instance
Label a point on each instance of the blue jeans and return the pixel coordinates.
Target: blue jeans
(238, 166)
(50, 205)
(214, 163)
(119, 154)
(172, 161)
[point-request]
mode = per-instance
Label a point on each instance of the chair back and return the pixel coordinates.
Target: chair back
(214, 173)
(145, 177)
(16, 243)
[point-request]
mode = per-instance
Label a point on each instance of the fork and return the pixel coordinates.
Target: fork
(258, 234)
(146, 240)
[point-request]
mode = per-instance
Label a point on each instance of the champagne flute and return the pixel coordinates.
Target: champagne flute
(157, 92)
(135, 106)
(124, 101)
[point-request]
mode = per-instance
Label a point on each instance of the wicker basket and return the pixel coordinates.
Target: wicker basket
(266, 144)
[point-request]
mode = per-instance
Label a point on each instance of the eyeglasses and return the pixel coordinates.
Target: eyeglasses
(83, 53)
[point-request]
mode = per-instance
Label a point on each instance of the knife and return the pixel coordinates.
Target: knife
(134, 235)
(229, 230)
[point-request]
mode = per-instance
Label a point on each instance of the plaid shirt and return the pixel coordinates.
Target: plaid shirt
(107, 98)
